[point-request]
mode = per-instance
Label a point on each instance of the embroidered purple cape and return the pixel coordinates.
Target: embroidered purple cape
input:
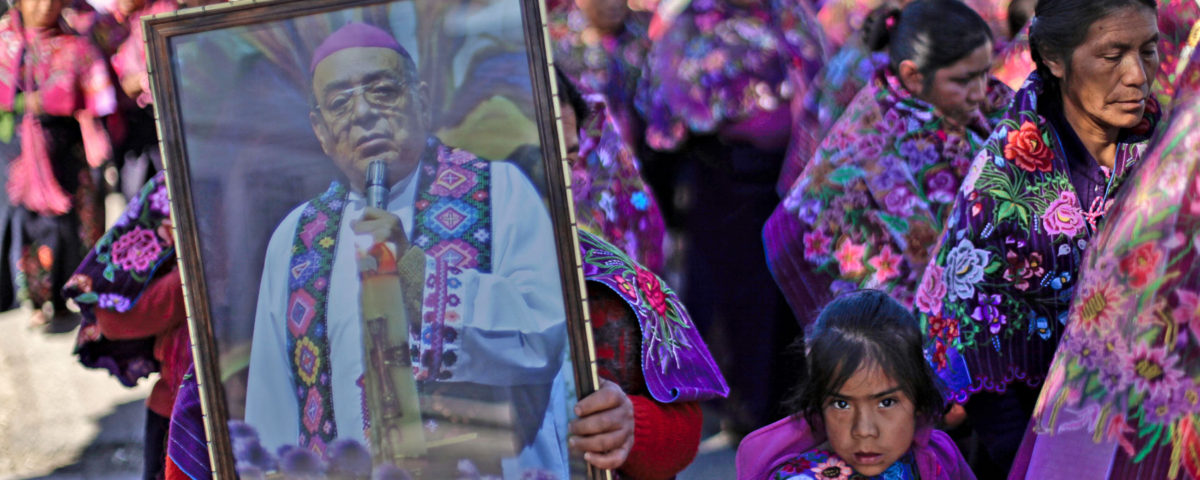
(675, 362)
(114, 275)
(766, 449)
(872, 201)
(609, 64)
(994, 298)
(1128, 365)
(612, 199)
(718, 63)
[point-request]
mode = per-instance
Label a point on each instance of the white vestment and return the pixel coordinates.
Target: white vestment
(513, 331)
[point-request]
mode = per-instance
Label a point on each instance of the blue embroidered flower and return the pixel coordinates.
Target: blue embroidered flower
(964, 268)
(639, 201)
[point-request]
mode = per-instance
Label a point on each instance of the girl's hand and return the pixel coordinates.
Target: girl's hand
(955, 416)
(604, 429)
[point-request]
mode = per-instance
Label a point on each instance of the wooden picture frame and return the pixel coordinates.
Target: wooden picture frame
(233, 93)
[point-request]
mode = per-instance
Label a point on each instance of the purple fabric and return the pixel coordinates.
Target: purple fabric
(718, 62)
(187, 444)
(872, 200)
(764, 450)
(355, 35)
(675, 361)
(114, 275)
(994, 298)
(1125, 374)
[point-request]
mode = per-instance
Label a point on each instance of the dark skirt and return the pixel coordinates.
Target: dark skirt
(729, 290)
(48, 248)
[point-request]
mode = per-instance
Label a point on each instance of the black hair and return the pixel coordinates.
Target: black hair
(1019, 13)
(862, 329)
(567, 89)
(933, 34)
(1061, 26)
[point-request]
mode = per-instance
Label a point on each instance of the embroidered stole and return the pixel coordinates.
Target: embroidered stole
(452, 225)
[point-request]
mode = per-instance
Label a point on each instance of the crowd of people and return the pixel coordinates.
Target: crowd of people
(936, 239)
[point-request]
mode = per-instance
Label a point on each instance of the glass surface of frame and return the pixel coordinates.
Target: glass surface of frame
(375, 234)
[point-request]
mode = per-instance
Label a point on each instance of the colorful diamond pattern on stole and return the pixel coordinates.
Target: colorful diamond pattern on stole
(454, 227)
(308, 293)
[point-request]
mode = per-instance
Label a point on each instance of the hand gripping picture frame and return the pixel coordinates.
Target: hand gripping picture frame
(375, 235)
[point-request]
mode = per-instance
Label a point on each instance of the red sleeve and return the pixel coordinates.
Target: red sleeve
(665, 438)
(160, 309)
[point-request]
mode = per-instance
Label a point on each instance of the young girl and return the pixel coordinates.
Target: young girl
(866, 407)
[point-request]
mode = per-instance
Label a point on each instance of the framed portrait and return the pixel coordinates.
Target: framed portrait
(375, 234)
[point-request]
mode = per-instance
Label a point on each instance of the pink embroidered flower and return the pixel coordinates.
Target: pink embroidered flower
(886, 265)
(833, 469)
(1188, 311)
(1155, 370)
(849, 257)
(1063, 216)
(816, 244)
(932, 291)
(1097, 306)
(136, 250)
(652, 289)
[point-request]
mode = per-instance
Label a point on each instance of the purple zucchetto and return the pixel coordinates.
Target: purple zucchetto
(355, 35)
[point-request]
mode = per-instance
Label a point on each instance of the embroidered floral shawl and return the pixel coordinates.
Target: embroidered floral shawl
(768, 448)
(115, 273)
(871, 203)
(993, 300)
(824, 464)
(1128, 365)
(719, 63)
(1178, 32)
(612, 200)
(676, 364)
(603, 63)
(70, 79)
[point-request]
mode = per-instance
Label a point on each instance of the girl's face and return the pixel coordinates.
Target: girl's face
(869, 421)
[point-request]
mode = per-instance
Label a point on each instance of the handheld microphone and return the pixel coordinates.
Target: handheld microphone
(376, 184)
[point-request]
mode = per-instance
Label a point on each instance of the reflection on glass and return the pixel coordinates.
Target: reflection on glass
(425, 321)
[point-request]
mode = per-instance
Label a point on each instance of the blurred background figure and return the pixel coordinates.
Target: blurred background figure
(57, 84)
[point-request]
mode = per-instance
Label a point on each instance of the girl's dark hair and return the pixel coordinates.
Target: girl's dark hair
(864, 329)
(933, 34)
(569, 91)
(1060, 26)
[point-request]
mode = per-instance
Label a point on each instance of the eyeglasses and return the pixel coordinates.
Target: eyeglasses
(381, 93)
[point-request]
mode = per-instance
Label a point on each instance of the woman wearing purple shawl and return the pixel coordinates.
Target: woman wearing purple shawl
(1122, 391)
(872, 201)
(601, 46)
(715, 97)
(994, 298)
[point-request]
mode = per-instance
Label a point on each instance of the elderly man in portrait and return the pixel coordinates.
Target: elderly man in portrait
(449, 279)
